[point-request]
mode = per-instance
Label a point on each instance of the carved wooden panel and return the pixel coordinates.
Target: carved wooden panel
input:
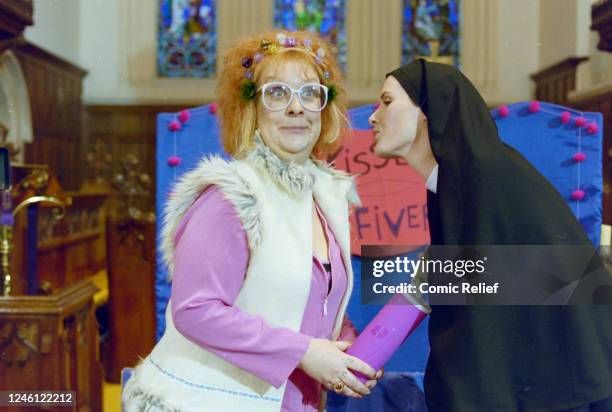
(50, 343)
(28, 181)
(54, 88)
(15, 15)
(127, 130)
(131, 273)
(601, 21)
(19, 342)
(73, 247)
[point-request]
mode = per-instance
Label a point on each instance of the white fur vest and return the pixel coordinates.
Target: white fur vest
(273, 200)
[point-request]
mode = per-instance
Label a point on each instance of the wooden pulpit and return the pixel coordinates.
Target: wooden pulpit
(48, 330)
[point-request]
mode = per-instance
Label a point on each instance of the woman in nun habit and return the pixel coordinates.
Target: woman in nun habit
(483, 192)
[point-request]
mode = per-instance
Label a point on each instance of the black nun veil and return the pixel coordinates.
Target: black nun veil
(500, 358)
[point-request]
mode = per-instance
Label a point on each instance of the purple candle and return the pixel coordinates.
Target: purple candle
(386, 332)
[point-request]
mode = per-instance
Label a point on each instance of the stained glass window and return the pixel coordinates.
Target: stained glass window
(187, 42)
(431, 29)
(326, 17)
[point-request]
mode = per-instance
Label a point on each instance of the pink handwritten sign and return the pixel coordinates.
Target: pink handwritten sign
(394, 202)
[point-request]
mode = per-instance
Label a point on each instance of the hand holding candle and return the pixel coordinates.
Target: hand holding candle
(386, 332)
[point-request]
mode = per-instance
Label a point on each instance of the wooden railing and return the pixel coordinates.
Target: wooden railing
(601, 22)
(554, 83)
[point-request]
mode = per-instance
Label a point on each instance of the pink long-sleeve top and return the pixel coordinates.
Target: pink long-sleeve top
(211, 257)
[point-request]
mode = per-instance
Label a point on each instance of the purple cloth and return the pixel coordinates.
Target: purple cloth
(211, 257)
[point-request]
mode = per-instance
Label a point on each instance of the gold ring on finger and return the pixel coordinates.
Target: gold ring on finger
(338, 387)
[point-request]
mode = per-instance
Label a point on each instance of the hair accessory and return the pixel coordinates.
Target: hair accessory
(282, 40)
(320, 56)
(247, 62)
(332, 92)
(307, 45)
(286, 41)
(265, 44)
(248, 90)
(290, 42)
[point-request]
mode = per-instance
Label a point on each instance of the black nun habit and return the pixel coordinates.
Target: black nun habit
(500, 358)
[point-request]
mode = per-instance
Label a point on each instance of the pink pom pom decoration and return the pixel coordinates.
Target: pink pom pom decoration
(174, 161)
(534, 106)
(174, 126)
(212, 109)
(592, 128)
(565, 117)
(184, 116)
(577, 194)
(579, 157)
(503, 111)
(580, 121)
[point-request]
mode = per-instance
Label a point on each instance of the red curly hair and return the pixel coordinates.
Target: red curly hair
(238, 117)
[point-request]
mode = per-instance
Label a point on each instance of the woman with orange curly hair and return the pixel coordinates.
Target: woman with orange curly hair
(258, 247)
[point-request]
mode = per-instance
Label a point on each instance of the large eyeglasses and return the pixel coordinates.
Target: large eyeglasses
(278, 96)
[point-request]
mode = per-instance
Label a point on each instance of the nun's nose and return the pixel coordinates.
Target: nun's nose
(372, 119)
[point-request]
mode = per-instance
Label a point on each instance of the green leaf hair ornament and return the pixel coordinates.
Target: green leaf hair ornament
(248, 90)
(332, 92)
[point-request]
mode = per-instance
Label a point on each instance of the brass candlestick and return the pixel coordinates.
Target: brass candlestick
(6, 236)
